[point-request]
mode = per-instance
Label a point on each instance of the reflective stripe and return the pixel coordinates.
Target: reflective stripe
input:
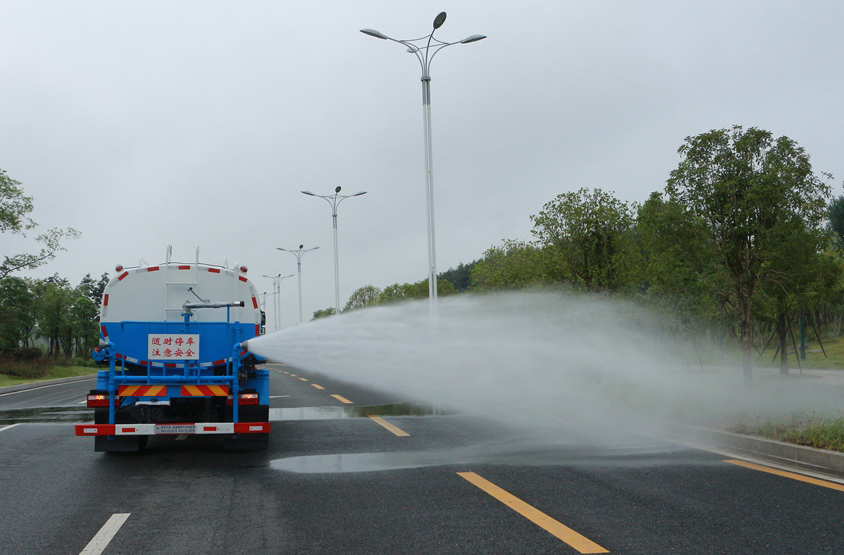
(90, 430)
(142, 391)
(205, 390)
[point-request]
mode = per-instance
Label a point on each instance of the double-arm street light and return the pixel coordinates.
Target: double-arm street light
(298, 253)
(277, 301)
(424, 49)
(335, 200)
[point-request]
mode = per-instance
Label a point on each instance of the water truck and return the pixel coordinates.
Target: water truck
(174, 339)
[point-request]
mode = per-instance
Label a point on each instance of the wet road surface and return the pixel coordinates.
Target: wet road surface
(352, 470)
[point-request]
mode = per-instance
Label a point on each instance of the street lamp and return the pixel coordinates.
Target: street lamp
(277, 301)
(425, 48)
(298, 254)
(335, 200)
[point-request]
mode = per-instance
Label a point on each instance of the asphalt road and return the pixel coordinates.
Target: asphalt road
(335, 481)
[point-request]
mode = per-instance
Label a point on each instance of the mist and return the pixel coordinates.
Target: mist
(542, 361)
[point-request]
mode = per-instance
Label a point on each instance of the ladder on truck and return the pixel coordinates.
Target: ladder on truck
(178, 279)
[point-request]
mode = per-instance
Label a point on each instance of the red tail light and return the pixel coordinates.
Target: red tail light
(245, 399)
(98, 400)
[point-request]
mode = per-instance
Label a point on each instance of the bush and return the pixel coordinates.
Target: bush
(27, 354)
(30, 369)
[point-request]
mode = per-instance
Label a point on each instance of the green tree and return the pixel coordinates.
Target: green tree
(323, 313)
(15, 208)
(17, 313)
(512, 265)
(363, 296)
(679, 272)
(460, 277)
(589, 234)
(409, 291)
(749, 194)
(835, 216)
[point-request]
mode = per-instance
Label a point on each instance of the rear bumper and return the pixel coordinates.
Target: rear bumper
(188, 428)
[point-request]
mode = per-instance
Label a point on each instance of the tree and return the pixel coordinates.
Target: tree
(750, 194)
(17, 313)
(409, 291)
(323, 313)
(14, 206)
(14, 217)
(835, 215)
(460, 277)
(363, 296)
(512, 265)
(590, 234)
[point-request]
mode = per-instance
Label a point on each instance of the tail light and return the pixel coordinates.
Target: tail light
(99, 400)
(245, 399)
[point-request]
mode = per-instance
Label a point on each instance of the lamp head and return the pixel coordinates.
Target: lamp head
(337, 189)
(374, 33)
(300, 247)
(439, 20)
(473, 38)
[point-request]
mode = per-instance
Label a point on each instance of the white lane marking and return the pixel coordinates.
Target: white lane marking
(181, 437)
(85, 402)
(99, 542)
(9, 427)
(46, 386)
(278, 396)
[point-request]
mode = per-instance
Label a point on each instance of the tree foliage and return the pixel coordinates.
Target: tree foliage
(589, 234)
(362, 297)
(512, 265)
(749, 195)
(15, 208)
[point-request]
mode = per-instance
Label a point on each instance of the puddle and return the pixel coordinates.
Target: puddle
(46, 414)
(81, 415)
(333, 413)
(344, 463)
(516, 452)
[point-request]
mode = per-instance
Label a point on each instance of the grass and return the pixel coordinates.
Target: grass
(834, 359)
(53, 373)
(813, 430)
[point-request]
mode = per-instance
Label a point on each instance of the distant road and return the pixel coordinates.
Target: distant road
(349, 471)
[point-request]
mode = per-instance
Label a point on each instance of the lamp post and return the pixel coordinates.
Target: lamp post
(335, 200)
(425, 48)
(298, 254)
(277, 301)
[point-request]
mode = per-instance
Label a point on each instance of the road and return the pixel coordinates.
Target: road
(336, 481)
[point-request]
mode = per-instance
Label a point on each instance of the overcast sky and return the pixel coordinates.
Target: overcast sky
(148, 123)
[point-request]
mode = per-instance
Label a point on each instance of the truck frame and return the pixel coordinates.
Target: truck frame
(173, 337)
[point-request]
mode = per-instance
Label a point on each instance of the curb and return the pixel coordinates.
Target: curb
(33, 385)
(776, 452)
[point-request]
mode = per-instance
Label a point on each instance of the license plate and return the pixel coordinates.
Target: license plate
(175, 429)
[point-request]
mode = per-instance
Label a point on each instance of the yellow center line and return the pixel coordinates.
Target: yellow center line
(342, 399)
(294, 375)
(317, 386)
(304, 379)
(561, 531)
(792, 475)
(395, 429)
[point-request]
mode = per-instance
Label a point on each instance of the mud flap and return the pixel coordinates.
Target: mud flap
(120, 444)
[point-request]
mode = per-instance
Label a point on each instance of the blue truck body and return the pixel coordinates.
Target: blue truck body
(180, 368)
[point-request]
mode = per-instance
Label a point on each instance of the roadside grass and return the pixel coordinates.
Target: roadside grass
(810, 430)
(52, 373)
(815, 357)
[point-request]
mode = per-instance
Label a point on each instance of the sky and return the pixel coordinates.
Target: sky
(144, 124)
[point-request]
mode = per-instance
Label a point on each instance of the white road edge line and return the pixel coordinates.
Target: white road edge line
(9, 427)
(99, 542)
(45, 386)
